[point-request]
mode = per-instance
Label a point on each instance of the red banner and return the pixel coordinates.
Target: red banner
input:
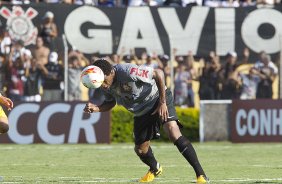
(256, 121)
(56, 123)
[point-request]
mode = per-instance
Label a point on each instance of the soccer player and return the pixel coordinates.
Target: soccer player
(4, 127)
(142, 91)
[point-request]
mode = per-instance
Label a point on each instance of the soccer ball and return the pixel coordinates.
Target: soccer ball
(92, 77)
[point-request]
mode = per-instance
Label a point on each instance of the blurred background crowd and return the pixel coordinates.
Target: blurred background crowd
(174, 3)
(36, 73)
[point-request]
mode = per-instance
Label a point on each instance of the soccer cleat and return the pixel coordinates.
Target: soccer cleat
(150, 176)
(202, 179)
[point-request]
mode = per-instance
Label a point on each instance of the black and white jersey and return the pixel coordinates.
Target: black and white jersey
(134, 88)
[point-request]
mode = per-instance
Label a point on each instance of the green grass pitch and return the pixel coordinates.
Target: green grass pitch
(117, 163)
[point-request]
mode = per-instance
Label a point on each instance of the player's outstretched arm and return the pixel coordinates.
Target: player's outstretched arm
(106, 106)
(7, 102)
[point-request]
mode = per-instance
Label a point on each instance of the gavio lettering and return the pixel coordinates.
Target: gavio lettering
(184, 37)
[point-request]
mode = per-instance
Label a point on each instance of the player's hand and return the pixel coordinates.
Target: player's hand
(90, 108)
(162, 111)
(7, 102)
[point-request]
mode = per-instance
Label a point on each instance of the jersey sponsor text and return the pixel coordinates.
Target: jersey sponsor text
(139, 72)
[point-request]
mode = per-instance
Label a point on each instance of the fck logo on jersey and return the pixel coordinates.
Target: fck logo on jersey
(139, 72)
(19, 24)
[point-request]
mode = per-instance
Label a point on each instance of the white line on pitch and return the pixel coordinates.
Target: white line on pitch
(248, 179)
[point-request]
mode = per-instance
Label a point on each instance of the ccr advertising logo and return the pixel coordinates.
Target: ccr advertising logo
(56, 123)
(19, 24)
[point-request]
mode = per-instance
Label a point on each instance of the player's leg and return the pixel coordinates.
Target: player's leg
(184, 146)
(144, 131)
(4, 127)
(145, 153)
(186, 149)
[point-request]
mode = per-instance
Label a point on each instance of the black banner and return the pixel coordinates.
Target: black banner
(156, 29)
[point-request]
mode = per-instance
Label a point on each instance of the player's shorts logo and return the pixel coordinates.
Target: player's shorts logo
(19, 24)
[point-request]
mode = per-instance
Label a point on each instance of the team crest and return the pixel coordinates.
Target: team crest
(126, 87)
(19, 24)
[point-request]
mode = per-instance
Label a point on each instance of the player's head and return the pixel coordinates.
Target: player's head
(108, 70)
(104, 65)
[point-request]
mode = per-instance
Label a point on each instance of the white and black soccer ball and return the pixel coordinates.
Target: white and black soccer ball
(92, 77)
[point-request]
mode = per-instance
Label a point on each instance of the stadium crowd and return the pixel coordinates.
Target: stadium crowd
(37, 73)
(174, 3)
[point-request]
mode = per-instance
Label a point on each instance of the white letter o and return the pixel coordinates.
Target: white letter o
(249, 30)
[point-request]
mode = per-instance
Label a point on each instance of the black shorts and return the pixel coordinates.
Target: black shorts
(147, 126)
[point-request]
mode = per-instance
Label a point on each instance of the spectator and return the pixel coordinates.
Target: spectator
(143, 58)
(209, 81)
(191, 3)
(141, 3)
(74, 71)
(175, 59)
(230, 3)
(246, 3)
(266, 2)
(131, 58)
(15, 82)
(18, 2)
(267, 71)
(229, 78)
(53, 76)
(6, 43)
(173, 3)
(31, 85)
(231, 64)
(212, 3)
(40, 53)
(115, 59)
(48, 30)
(87, 2)
(83, 61)
(192, 75)
(246, 55)
(66, 1)
(154, 61)
(15, 71)
(165, 60)
(106, 3)
(181, 86)
(249, 85)
(210, 87)
(179, 60)
(3, 70)
(17, 50)
(231, 87)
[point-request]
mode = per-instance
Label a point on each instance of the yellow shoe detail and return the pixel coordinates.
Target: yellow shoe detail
(202, 179)
(150, 176)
